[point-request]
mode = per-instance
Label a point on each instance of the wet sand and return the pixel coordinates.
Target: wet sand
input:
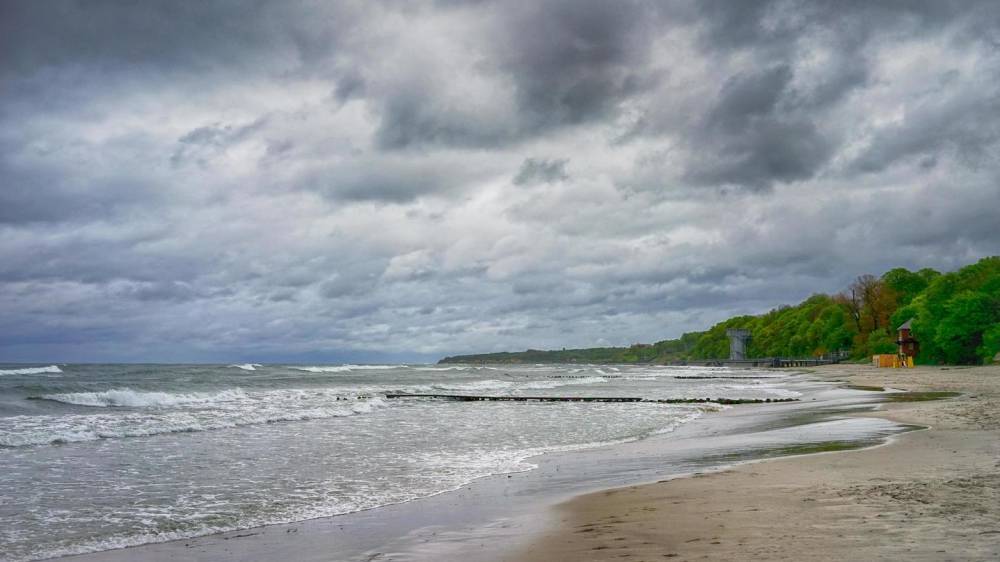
(927, 495)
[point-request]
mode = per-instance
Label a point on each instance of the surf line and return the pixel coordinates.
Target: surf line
(487, 398)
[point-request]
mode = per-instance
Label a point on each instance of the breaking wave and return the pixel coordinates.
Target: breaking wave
(230, 408)
(128, 398)
(247, 366)
(514, 385)
(345, 368)
(31, 370)
(290, 398)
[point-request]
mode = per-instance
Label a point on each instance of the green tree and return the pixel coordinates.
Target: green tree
(990, 347)
(960, 332)
(952, 316)
(907, 284)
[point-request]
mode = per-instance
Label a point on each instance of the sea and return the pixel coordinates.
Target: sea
(96, 457)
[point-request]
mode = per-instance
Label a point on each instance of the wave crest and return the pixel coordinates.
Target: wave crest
(231, 408)
(31, 370)
(344, 368)
(247, 366)
(515, 384)
(128, 398)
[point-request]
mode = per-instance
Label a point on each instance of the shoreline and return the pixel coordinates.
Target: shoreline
(481, 520)
(923, 495)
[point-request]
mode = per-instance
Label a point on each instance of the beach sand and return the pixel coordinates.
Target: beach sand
(932, 494)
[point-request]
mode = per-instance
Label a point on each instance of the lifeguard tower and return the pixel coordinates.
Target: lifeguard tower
(908, 349)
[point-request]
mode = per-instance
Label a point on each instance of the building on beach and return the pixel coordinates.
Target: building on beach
(739, 341)
(908, 346)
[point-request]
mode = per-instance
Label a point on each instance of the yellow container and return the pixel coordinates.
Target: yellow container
(887, 361)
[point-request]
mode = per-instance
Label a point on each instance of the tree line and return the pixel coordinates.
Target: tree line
(956, 319)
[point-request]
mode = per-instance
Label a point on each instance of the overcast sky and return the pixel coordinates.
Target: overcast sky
(398, 181)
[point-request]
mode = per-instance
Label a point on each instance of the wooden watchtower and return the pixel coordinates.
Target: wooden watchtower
(907, 345)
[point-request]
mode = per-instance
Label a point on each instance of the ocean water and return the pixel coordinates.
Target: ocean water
(94, 457)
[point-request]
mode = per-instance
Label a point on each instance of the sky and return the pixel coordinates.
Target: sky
(380, 181)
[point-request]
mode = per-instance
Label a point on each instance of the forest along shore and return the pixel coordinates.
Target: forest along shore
(927, 495)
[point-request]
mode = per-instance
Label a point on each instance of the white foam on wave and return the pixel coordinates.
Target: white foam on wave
(474, 386)
(511, 385)
(231, 408)
(336, 369)
(491, 463)
(539, 385)
(345, 368)
(771, 390)
(31, 370)
(247, 366)
(126, 397)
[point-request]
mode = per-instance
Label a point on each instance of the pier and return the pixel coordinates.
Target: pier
(763, 362)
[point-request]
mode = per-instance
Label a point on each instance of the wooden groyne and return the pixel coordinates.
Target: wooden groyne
(732, 378)
(588, 376)
(763, 362)
(485, 398)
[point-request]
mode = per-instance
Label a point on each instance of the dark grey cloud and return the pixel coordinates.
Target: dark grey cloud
(948, 122)
(774, 24)
(752, 138)
(771, 120)
(205, 142)
(251, 181)
(540, 170)
(574, 61)
(160, 36)
(563, 62)
(39, 185)
(391, 179)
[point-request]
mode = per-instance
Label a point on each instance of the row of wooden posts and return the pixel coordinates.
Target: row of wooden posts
(486, 398)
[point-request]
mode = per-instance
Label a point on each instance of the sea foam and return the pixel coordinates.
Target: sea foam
(204, 412)
(247, 366)
(345, 368)
(508, 385)
(126, 397)
(31, 370)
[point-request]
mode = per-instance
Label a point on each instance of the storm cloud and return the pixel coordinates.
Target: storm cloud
(541, 171)
(233, 181)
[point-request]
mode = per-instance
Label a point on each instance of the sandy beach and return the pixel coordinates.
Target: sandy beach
(932, 494)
